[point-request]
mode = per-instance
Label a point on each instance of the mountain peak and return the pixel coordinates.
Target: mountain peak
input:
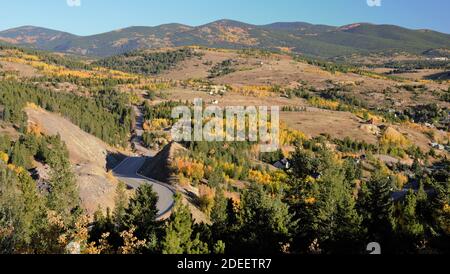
(29, 28)
(36, 36)
(228, 22)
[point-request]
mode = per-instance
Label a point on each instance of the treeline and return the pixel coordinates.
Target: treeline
(430, 113)
(337, 98)
(147, 63)
(324, 208)
(91, 82)
(222, 68)
(106, 115)
(348, 145)
(331, 67)
(339, 94)
(51, 58)
(411, 65)
(162, 110)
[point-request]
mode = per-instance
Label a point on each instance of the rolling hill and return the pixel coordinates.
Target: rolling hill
(308, 39)
(40, 38)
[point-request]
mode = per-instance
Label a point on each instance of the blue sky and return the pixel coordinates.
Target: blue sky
(96, 16)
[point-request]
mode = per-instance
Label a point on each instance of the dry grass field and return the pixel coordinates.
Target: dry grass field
(22, 70)
(269, 70)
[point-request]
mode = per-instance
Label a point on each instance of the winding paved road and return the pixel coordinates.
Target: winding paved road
(127, 172)
(139, 131)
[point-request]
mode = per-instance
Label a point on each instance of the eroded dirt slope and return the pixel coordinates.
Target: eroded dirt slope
(88, 156)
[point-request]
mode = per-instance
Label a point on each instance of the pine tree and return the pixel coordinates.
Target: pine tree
(196, 246)
(142, 213)
(33, 204)
(338, 223)
(120, 204)
(20, 156)
(376, 207)
(303, 164)
(302, 199)
(21, 211)
(408, 227)
(348, 230)
(63, 196)
(324, 207)
(178, 236)
(263, 216)
(219, 248)
(440, 216)
(219, 217)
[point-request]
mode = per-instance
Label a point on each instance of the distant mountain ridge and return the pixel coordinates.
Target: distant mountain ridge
(298, 37)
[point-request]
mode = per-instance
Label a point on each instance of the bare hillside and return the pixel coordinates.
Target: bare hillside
(88, 155)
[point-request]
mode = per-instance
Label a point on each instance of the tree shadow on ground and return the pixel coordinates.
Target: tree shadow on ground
(113, 159)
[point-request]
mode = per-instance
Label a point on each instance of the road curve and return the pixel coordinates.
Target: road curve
(127, 172)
